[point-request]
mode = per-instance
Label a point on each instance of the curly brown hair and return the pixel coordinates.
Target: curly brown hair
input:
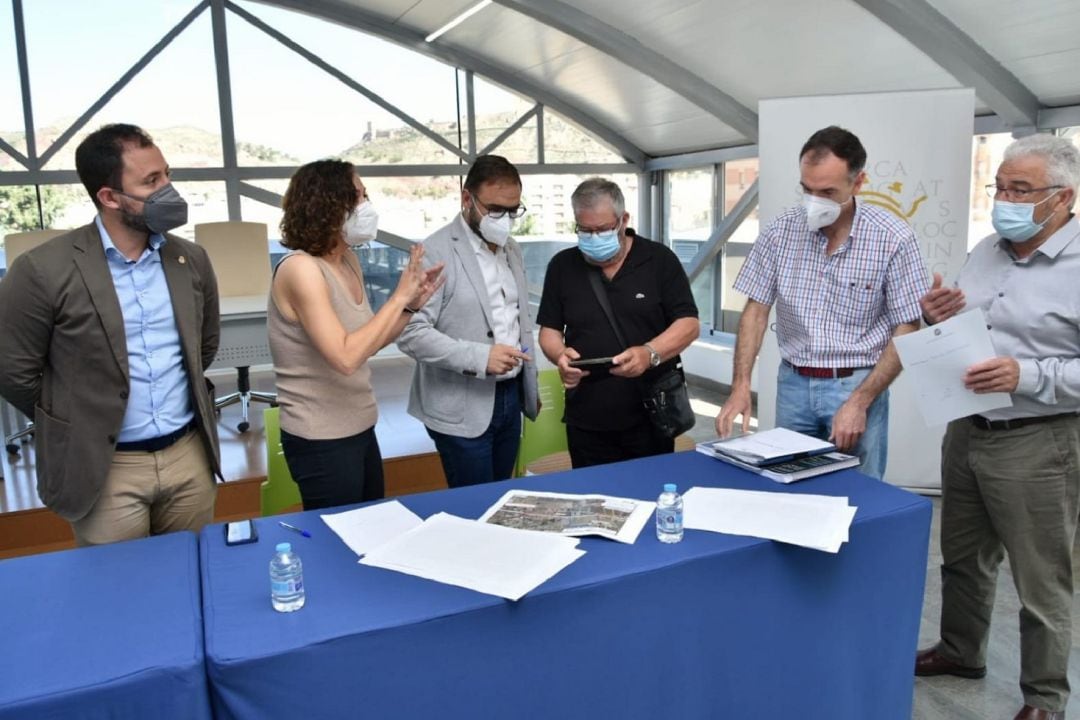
(320, 196)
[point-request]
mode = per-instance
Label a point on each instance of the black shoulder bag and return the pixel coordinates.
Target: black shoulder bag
(665, 399)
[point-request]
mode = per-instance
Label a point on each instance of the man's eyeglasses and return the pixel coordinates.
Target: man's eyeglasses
(1015, 194)
(496, 212)
(595, 231)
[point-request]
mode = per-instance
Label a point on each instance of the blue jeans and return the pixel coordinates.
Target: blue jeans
(491, 456)
(807, 405)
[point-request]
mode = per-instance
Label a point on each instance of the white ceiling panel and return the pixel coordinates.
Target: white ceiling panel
(613, 93)
(427, 16)
(687, 135)
(776, 48)
(1038, 41)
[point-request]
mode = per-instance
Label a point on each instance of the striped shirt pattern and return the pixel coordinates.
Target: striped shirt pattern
(836, 311)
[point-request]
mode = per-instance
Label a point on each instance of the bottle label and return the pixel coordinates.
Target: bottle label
(670, 521)
(286, 587)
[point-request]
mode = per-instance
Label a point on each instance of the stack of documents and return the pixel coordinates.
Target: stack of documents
(476, 555)
(820, 522)
(779, 454)
(366, 528)
(572, 515)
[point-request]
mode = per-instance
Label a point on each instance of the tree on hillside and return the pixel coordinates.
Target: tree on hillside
(19, 207)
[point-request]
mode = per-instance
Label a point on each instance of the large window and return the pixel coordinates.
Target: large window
(697, 201)
(691, 196)
(987, 152)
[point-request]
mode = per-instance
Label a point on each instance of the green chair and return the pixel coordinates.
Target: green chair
(278, 492)
(546, 434)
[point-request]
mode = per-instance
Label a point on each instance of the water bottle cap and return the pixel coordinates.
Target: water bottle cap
(669, 487)
(284, 547)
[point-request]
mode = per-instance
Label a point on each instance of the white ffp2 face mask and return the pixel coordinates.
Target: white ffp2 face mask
(496, 231)
(820, 212)
(362, 224)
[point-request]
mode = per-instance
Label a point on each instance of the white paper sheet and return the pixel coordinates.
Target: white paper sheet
(366, 528)
(483, 557)
(820, 522)
(755, 448)
(937, 357)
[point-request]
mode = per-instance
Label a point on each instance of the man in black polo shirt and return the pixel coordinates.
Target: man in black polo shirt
(650, 297)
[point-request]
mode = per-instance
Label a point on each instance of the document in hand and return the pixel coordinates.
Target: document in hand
(614, 518)
(770, 446)
(936, 359)
(476, 555)
(367, 528)
(789, 471)
(820, 522)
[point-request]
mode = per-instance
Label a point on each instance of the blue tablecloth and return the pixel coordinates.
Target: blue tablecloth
(717, 626)
(106, 632)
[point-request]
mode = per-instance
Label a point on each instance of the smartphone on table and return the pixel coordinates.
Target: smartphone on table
(240, 532)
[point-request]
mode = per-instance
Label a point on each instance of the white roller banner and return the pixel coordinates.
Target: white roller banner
(918, 147)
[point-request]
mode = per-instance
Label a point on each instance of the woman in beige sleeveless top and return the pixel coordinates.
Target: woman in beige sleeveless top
(322, 332)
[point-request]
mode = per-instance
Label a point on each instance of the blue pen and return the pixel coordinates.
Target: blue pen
(295, 529)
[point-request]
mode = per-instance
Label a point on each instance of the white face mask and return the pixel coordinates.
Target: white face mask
(361, 225)
(496, 232)
(820, 212)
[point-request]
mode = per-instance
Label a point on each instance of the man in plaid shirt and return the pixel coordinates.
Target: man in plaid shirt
(846, 277)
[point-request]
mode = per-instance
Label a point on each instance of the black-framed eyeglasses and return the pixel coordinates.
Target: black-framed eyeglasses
(496, 212)
(1016, 194)
(596, 231)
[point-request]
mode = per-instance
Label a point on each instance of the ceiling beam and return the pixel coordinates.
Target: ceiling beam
(633, 53)
(923, 26)
(353, 17)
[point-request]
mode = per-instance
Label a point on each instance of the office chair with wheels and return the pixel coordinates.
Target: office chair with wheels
(15, 245)
(240, 254)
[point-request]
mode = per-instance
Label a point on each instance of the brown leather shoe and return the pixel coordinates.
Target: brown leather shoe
(1033, 713)
(929, 662)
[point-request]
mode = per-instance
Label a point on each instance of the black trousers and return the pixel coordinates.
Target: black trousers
(335, 472)
(599, 447)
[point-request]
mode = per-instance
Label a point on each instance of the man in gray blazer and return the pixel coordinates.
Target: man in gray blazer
(474, 377)
(106, 333)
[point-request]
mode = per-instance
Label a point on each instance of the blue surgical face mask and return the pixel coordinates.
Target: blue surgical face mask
(599, 247)
(1016, 221)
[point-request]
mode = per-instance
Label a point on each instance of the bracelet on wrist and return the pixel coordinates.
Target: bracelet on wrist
(409, 310)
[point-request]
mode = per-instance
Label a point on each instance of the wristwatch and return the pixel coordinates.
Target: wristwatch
(654, 357)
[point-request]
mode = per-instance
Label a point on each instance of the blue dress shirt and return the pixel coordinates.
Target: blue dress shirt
(160, 400)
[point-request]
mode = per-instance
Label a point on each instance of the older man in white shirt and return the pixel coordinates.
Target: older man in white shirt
(1011, 477)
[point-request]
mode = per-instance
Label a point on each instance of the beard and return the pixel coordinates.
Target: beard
(135, 221)
(472, 219)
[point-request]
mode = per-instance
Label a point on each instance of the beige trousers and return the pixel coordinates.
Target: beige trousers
(1016, 492)
(151, 493)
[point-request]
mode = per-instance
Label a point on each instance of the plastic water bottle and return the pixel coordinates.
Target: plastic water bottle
(286, 579)
(669, 515)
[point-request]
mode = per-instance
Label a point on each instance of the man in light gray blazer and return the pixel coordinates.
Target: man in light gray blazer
(474, 376)
(106, 332)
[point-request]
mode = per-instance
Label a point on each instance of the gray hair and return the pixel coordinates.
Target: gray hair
(590, 193)
(1061, 156)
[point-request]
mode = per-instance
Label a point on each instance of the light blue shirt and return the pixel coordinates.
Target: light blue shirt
(159, 400)
(1032, 311)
